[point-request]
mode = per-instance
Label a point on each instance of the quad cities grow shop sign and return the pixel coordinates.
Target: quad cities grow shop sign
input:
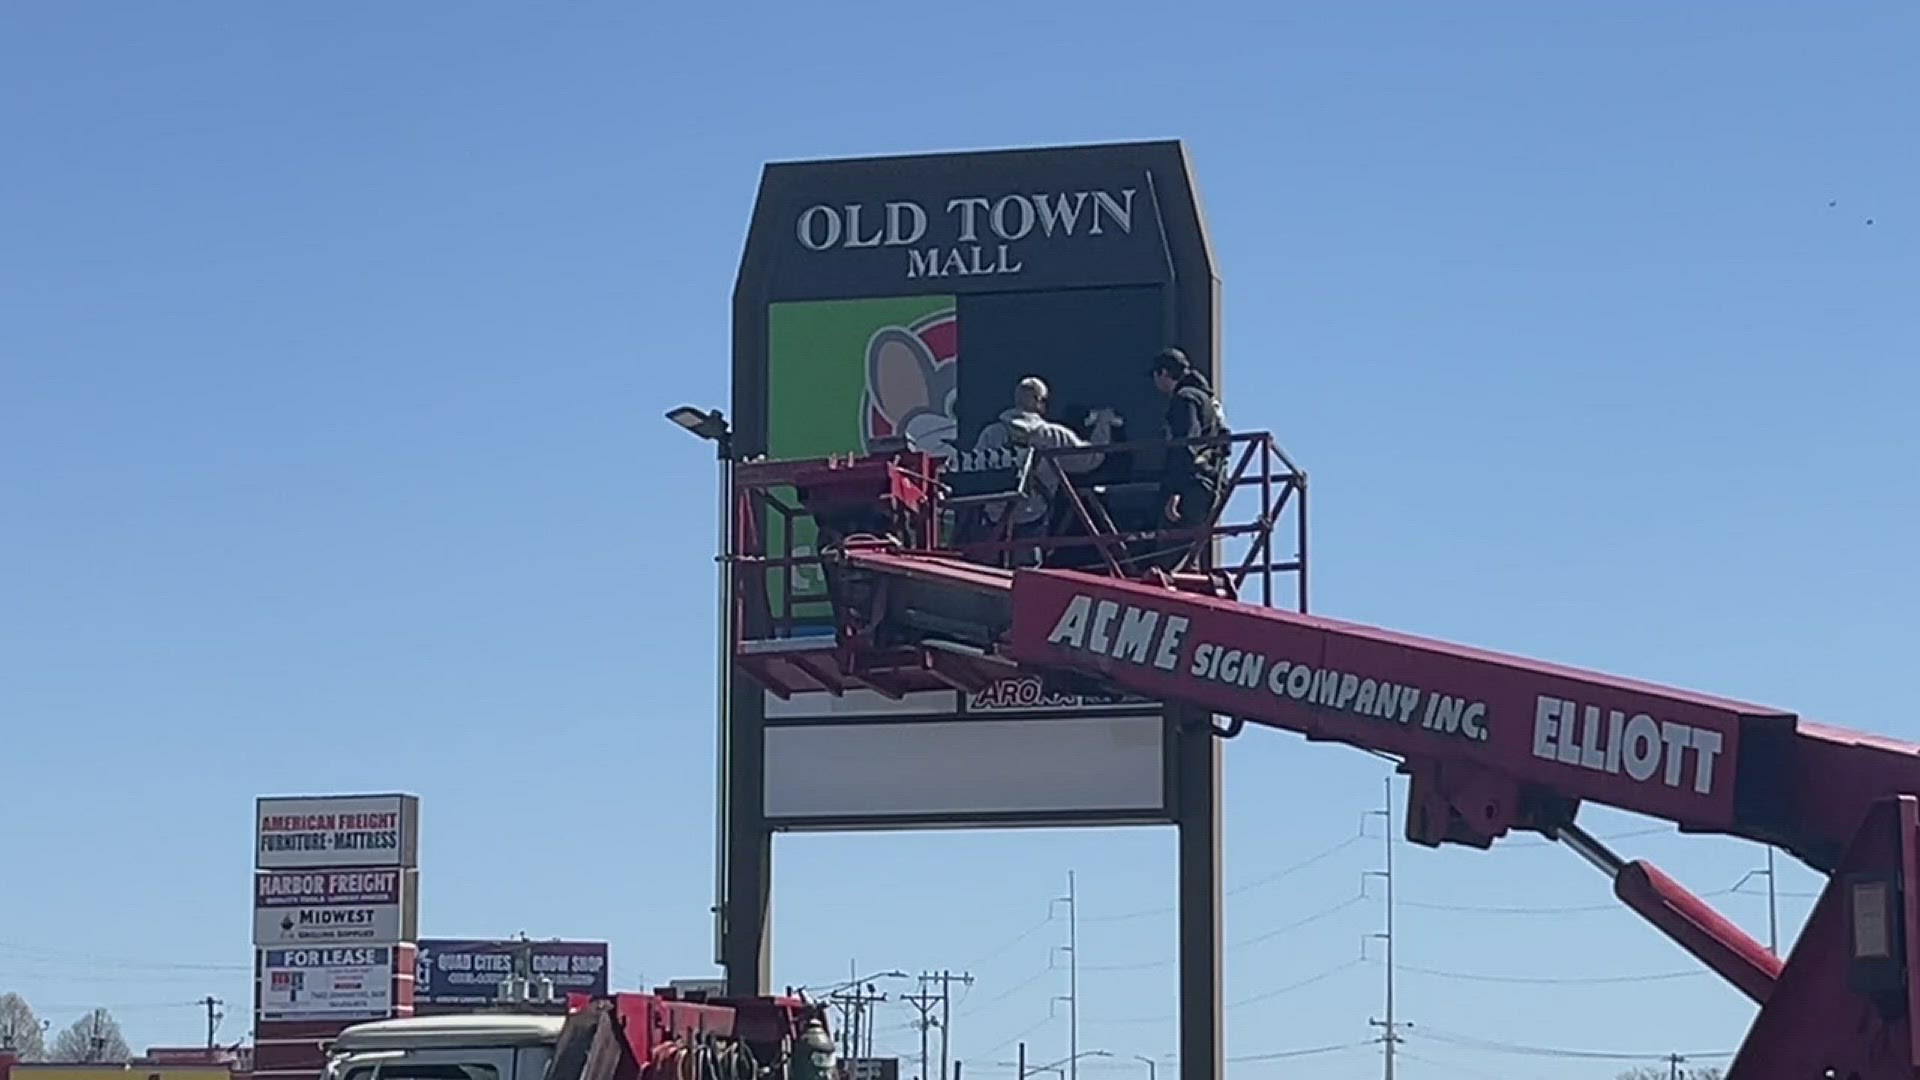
(469, 972)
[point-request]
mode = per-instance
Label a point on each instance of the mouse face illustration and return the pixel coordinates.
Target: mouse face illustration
(913, 385)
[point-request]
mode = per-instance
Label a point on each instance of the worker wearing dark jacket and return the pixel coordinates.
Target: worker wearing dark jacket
(1191, 484)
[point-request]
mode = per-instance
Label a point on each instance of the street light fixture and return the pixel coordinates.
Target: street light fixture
(850, 983)
(1152, 1066)
(1060, 1067)
(709, 424)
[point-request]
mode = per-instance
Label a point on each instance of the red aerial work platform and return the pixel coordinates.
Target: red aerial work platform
(1491, 742)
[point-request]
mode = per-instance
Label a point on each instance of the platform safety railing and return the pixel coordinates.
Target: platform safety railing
(1254, 534)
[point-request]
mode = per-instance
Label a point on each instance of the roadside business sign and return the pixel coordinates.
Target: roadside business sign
(332, 831)
(326, 983)
(369, 905)
(153, 1070)
(467, 971)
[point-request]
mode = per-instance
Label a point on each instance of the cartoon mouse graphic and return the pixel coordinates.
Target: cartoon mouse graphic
(913, 386)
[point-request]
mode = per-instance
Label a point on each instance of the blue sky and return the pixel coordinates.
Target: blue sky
(335, 342)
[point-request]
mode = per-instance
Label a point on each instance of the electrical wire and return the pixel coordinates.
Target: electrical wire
(40, 1007)
(1277, 875)
(1630, 834)
(1007, 993)
(41, 954)
(1497, 1046)
(1244, 943)
(1449, 1066)
(1009, 1042)
(1301, 985)
(1010, 943)
(1312, 1051)
(1501, 909)
(1526, 980)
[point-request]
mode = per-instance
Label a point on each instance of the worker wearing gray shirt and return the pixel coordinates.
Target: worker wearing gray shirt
(1026, 425)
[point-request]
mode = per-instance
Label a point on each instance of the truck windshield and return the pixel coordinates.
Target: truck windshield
(420, 1070)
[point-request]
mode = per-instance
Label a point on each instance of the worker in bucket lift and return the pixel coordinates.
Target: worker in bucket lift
(1194, 478)
(1026, 425)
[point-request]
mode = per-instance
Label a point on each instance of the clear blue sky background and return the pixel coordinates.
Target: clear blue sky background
(335, 339)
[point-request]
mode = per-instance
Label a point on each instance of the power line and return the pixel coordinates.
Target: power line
(42, 953)
(1584, 980)
(1277, 875)
(1579, 909)
(1277, 1055)
(1310, 980)
(1002, 1046)
(41, 1007)
(1498, 1046)
(1011, 942)
(1009, 991)
(1244, 943)
(1630, 834)
(1453, 1067)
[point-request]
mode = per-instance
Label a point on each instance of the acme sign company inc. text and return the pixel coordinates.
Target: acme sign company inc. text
(968, 235)
(1629, 740)
(1160, 640)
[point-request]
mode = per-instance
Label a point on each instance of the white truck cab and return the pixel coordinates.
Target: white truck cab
(478, 1046)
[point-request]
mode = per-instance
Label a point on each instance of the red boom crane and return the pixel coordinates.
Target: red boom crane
(1492, 743)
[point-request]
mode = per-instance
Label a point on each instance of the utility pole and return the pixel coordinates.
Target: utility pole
(856, 1002)
(1773, 907)
(214, 1016)
(946, 980)
(923, 1003)
(1673, 1067)
(1073, 978)
(1390, 1036)
(1773, 901)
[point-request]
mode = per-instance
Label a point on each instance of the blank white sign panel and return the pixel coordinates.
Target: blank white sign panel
(916, 768)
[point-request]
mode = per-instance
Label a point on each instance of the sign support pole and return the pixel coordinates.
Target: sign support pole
(1202, 1035)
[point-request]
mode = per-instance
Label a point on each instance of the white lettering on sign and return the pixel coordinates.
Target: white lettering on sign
(1638, 745)
(983, 227)
(1148, 638)
(1151, 638)
(326, 957)
(320, 886)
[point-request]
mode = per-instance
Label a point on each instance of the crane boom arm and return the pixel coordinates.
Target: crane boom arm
(1491, 742)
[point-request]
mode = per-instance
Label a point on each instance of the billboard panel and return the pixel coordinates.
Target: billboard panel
(371, 905)
(326, 983)
(880, 772)
(903, 298)
(467, 971)
(342, 830)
